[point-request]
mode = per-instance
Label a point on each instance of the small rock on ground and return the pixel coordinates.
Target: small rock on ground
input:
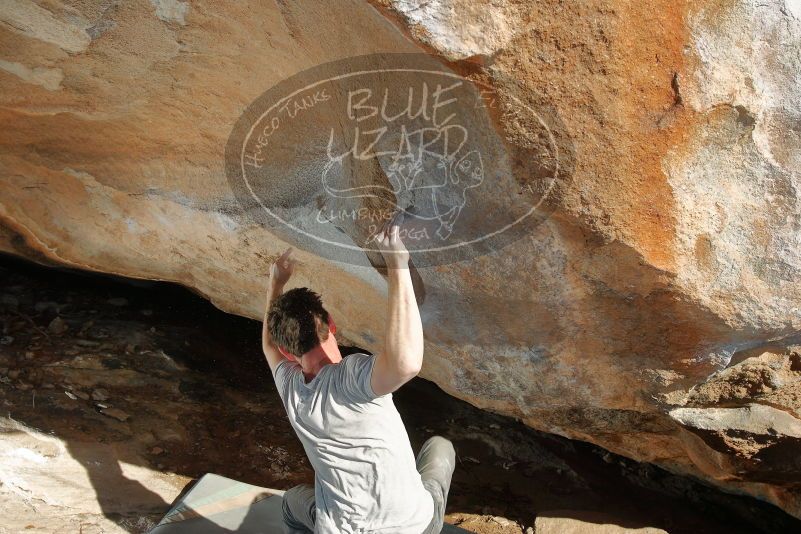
(116, 413)
(584, 522)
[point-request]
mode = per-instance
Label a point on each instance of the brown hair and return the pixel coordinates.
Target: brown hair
(297, 321)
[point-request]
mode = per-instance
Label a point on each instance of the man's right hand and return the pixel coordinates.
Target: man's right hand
(282, 269)
(390, 245)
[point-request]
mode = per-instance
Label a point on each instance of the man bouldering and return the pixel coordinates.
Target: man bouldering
(366, 476)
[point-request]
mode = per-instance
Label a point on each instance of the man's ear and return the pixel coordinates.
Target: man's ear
(285, 354)
(331, 326)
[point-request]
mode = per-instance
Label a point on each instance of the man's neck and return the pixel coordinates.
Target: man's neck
(313, 361)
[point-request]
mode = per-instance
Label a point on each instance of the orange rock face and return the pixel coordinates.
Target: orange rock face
(669, 255)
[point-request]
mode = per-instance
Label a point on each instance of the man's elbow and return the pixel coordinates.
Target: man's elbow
(410, 369)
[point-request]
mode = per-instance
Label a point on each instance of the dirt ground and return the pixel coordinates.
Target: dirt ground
(141, 387)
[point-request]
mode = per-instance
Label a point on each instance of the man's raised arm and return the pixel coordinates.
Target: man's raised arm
(280, 272)
(402, 357)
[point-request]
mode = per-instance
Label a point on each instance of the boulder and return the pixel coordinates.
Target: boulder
(584, 522)
(667, 254)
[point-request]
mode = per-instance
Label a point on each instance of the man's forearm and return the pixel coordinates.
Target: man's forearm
(273, 292)
(404, 339)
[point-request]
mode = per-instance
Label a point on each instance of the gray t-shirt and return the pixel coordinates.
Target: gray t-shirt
(365, 475)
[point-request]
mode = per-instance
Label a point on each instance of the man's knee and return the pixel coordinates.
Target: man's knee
(443, 444)
(439, 447)
(437, 460)
(298, 507)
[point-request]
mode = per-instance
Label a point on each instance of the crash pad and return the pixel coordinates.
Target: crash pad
(217, 505)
